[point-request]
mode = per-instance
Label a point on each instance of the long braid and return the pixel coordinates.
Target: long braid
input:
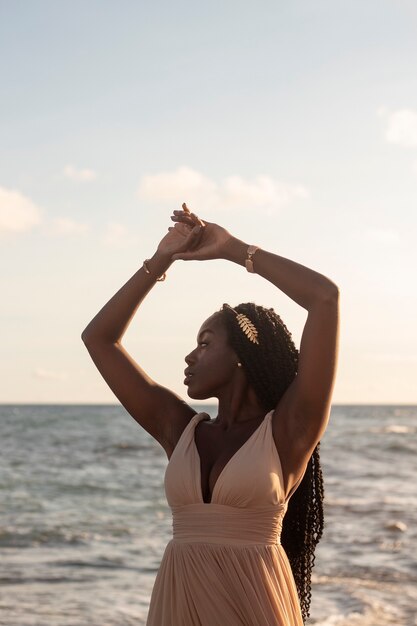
(270, 367)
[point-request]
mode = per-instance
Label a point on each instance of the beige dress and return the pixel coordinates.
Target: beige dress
(225, 565)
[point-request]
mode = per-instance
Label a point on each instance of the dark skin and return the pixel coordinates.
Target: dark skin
(216, 374)
(301, 416)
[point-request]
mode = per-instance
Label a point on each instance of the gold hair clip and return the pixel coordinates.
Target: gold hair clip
(245, 324)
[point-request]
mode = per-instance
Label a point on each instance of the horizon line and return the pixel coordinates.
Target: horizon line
(196, 404)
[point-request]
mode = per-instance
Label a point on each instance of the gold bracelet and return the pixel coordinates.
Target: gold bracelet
(249, 262)
(146, 268)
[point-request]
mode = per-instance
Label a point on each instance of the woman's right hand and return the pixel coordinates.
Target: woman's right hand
(178, 239)
(207, 240)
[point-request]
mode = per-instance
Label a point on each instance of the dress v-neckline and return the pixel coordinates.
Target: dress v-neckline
(200, 488)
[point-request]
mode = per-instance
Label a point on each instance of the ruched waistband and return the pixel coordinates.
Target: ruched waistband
(218, 523)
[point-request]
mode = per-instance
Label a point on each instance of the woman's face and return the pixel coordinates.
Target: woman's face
(212, 364)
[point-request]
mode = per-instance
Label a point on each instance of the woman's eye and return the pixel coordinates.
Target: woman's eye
(202, 343)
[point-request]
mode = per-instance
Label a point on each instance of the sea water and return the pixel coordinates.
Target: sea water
(84, 519)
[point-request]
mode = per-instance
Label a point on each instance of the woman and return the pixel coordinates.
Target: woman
(246, 488)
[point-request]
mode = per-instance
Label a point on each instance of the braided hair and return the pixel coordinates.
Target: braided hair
(270, 367)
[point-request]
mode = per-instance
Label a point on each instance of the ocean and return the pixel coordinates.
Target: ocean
(84, 519)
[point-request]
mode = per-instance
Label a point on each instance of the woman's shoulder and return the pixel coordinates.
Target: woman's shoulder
(178, 421)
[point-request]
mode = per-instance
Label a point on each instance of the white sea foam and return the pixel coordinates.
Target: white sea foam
(398, 428)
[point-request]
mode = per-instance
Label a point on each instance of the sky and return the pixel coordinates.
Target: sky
(291, 124)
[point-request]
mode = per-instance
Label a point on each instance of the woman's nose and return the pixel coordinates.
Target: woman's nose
(189, 357)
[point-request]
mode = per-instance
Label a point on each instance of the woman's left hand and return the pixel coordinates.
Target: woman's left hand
(211, 243)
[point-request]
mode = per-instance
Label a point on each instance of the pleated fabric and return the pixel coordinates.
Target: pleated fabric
(225, 565)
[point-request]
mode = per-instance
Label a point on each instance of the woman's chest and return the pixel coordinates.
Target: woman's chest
(239, 471)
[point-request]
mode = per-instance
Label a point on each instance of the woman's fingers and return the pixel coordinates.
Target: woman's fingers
(183, 219)
(197, 219)
(195, 237)
(183, 216)
(195, 233)
(187, 217)
(196, 230)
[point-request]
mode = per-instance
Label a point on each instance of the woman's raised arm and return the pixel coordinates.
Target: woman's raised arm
(157, 409)
(302, 414)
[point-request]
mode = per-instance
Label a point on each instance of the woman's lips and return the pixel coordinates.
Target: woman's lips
(187, 378)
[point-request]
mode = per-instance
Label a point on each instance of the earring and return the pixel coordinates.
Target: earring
(239, 364)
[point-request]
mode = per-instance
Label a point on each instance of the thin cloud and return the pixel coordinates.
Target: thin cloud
(17, 212)
(39, 372)
(401, 126)
(231, 193)
(66, 226)
(82, 175)
(117, 235)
